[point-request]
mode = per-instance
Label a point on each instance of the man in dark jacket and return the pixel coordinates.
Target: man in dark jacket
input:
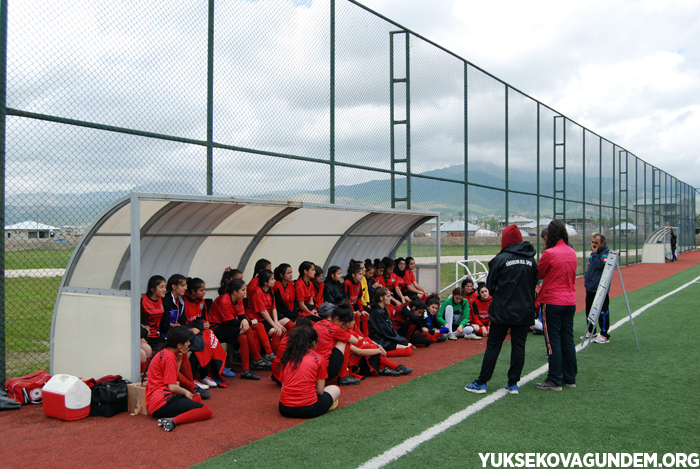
(596, 265)
(511, 281)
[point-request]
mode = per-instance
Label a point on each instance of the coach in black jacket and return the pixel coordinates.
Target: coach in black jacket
(511, 281)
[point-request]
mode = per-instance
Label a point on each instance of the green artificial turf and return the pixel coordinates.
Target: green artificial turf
(626, 401)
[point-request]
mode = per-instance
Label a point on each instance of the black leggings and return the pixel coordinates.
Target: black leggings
(228, 332)
(176, 405)
(325, 401)
(415, 339)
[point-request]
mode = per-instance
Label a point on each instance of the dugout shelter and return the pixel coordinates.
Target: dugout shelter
(95, 328)
(657, 247)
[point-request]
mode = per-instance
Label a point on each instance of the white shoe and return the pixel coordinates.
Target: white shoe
(209, 382)
(472, 336)
(451, 336)
(201, 385)
(588, 336)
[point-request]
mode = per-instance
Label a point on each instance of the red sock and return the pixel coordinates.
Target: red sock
(289, 325)
(245, 351)
(184, 375)
(365, 328)
(358, 320)
(432, 338)
(194, 415)
(275, 342)
(411, 331)
(346, 358)
(185, 382)
(143, 366)
(403, 352)
(383, 361)
(253, 344)
(263, 337)
(197, 398)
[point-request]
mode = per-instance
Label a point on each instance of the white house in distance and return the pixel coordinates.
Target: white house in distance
(455, 229)
(29, 231)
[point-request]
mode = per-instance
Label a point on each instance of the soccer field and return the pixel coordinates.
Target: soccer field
(626, 401)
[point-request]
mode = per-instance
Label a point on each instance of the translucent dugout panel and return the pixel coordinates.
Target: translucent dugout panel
(522, 142)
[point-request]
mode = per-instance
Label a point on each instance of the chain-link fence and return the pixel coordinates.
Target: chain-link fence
(320, 101)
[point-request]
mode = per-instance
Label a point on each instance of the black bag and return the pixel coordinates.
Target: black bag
(197, 343)
(109, 398)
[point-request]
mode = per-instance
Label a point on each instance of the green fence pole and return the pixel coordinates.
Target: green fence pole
(466, 162)
(210, 101)
(3, 116)
(332, 105)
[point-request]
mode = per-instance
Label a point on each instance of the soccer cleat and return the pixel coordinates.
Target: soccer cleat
(570, 385)
(442, 338)
(202, 393)
(386, 371)
(209, 382)
(335, 404)
(475, 387)
(472, 336)
(348, 380)
(226, 373)
(270, 356)
(451, 336)
(201, 385)
(601, 339)
(548, 385)
(404, 370)
(247, 374)
(261, 364)
(167, 424)
(512, 388)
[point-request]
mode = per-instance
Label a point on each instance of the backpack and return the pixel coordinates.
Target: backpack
(27, 389)
(109, 398)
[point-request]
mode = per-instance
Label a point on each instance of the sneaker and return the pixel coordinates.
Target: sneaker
(201, 385)
(386, 371)
(570, 385)
(247, 374)
(475, 387)
(202, 393)
(167, 424)
(404, 370)
(220, 384)
(442, 338)
(548, 385)
(348, 380)
(226, 373)
(472, 336)
(209, 382)
(451, 336)
(270, 356)
(512, 388)
(261, 364)
(335, 404)
(601, 339)
(588, 336)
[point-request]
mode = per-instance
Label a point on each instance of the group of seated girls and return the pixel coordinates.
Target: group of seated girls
(308, 331)
(465, 313)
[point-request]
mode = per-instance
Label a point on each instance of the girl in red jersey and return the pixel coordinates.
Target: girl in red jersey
(229, 323)
(401, 274)
(381, 329)
(390, 281)
(468, 290)
(254, 284)
(411, 322)
(152, 309)
(410, 283)
(170, 403)
(266, 320)
(194, 317)
(285, 298)
(333, 339)
(228, 275)
(276, 370)
(479, 311)
(306, 292)
(353, 289)
(304, 391)
(368, 358)
(318, 285)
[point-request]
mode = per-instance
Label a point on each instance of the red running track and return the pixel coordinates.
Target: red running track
(243, 412)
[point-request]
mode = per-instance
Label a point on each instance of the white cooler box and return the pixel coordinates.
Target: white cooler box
(66, 397)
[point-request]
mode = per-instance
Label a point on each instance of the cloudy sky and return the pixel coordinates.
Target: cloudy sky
(627, 70)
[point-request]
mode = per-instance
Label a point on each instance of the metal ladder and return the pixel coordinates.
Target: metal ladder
(405, 123)
(560, 169)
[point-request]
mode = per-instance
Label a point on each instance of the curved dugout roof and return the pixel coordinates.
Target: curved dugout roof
(201, 236)
(98, 305)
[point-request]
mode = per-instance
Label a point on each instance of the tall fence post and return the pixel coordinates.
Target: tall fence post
(466, 162)
(332, 106)
(210, 101)
(3, 117)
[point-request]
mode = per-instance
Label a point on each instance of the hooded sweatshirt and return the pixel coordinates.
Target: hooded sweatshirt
(512, 280)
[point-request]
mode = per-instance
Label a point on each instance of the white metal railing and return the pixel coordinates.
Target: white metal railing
(475, 270)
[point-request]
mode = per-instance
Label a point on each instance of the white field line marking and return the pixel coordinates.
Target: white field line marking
(412, 443)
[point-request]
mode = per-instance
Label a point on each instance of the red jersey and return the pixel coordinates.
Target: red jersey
(390, 282)
(161, 372)
(328, 335)
(409, 278)
(319, 294)
(299, 384)
(380, 280)
(364, 343)
(304, 292)
(399, 281)
(224, 310)
(276, 362)
(398, 319)
(194, 309)
(152, 312)
(479, 312)
(261, 301)
(253, 287)
(354, 291)
(471, 297)
(287, 293)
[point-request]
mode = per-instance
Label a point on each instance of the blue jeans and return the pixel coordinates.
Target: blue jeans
(558, 322)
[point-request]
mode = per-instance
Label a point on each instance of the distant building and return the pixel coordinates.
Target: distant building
(517, 221)
(455, 229)
(29, 231)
